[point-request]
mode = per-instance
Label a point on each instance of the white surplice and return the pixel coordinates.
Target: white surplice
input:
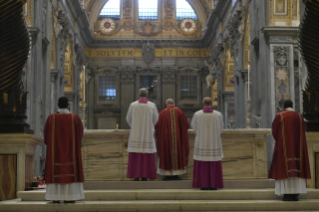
(64, 192)
(294, 185)
(208, 128)
(142, 118)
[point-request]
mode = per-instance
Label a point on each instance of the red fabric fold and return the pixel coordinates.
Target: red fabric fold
(172, 147)
(290, 157)
(63, 138)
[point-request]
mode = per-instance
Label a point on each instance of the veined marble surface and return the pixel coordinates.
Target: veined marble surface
(105, 155)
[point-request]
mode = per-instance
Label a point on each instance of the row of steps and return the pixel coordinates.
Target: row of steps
(171, 196)
(183, 184)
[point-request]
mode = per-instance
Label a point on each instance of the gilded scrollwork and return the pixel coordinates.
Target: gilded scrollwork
(169, 9)
(127, 8)
(169, 25)
(148, 28)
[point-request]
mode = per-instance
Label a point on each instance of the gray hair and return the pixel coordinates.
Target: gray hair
(207, 101)
(143, 92)
(170, 101)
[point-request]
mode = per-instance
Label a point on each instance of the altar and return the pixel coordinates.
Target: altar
(105, 155)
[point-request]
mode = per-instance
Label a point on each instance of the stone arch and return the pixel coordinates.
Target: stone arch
(196, 5)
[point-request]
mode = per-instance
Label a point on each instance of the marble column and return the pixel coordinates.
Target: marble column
(128, 94)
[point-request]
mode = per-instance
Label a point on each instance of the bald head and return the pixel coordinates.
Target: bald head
(169, 102)
(207, 102)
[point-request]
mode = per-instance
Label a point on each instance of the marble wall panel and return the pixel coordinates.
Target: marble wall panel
(105, 154)
(313, 149)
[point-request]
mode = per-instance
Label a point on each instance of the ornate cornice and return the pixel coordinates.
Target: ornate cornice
(280, 31)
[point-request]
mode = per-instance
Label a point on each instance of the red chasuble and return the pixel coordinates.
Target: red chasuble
(63, 135)
(172, 139)
(290, 157)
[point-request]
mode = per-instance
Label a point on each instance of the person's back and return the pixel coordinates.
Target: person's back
(208, 133)
(142, 115)
(63, 134)
(208, 151)
(172, 142)
(290, 163)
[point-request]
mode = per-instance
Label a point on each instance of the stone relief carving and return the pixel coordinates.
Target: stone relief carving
(80, 60)
(281, 38)
(169, 73)
(214, 65)
(169, 9)
(257, 120)
(148, 28)
(127, 73)
(63, 21)
(148, 52)
(282, 53)
(127, 7)
(230, 119)
(169, 25)
(128, 25)
(235, 25)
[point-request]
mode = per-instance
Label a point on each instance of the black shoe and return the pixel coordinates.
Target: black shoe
(176, 177)
(166, 178)
(204, 189)
(294, 197)
(56, 201)
(136, 179)
(287, 197)
(69, 201)
(144, 179)
(212, 188)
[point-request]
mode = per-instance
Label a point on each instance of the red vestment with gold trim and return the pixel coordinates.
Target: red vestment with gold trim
(290, 157)
(63, 135)
(172, 139)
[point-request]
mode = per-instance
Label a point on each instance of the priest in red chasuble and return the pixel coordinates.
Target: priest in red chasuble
(172, 142)
(290, 163)
(63, 134)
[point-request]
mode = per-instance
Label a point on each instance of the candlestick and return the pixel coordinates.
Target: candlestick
(248, 83)
(83, 83)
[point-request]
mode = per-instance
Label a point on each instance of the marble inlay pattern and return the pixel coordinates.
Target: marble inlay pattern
(105, 154)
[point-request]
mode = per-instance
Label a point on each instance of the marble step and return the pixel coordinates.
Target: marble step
(172, 194)
(162, 206)
(183, 184)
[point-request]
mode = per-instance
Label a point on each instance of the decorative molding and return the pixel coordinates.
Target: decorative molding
(169, 24)
(148, 52)
(169, 9)
(148, 28)
(127, 9)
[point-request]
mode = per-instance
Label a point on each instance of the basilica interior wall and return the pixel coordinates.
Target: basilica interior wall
(242, 53)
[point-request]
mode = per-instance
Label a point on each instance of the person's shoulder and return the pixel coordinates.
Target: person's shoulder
(218, 113)
(151, 103)
(199, 112)
(134, 103)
